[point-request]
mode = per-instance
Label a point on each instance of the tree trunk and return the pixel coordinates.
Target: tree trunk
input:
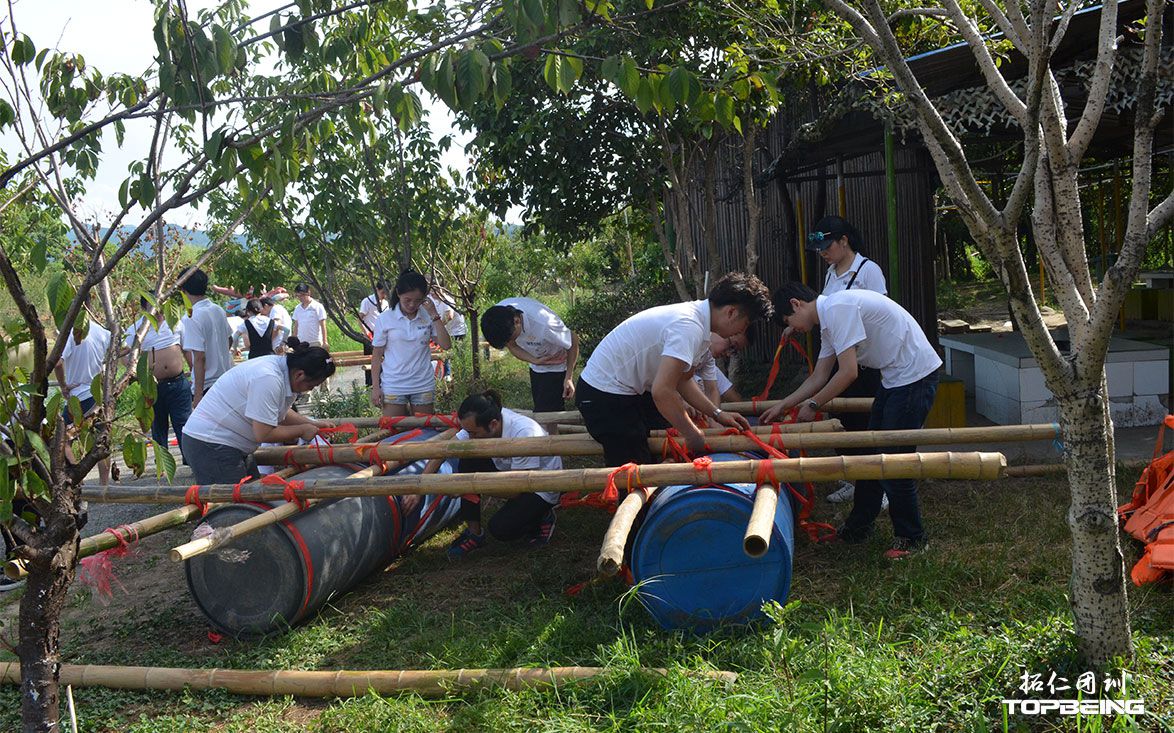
(752, 208)
(474, 339)
(1097, 586)
(714, 267)
(51, 570)
(659, 223)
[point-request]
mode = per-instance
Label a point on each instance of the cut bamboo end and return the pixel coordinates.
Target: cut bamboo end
(762, 521)
(334, 683)
(611, 553)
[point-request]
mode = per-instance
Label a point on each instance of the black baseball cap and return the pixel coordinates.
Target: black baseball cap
(826, 231)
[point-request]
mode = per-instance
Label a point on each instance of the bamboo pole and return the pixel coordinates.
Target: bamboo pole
(818, 426)
(836, 405)
(611, 552)
(762, 521)
(16, 569)
(224, 535)
(583, 445)
(330, 683)
(965, 465)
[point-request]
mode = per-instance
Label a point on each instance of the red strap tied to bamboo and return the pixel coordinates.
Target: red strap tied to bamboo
(292, 462)
(624, 574)
(704, 463)
(120, 534)
(611, 494)
(236, 489)
(97, 571)
(290, 490)
(347, 428)
(448, 420)
(317, 444)
(193, 497)
(776, 363)
(816, 531)
(672, 449)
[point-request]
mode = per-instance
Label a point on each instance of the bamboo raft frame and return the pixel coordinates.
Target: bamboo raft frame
(948, 465)
(224, 535)
(581, 445)
(334, 683)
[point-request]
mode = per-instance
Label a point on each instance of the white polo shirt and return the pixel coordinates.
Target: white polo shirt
(514, 425)
(309, 320)
(885, 335)
(154, 338)
(279, 314)
(705, 374)
(627, 359)
(543, 333)
(369, 310)
(407, 360)
(207, 330)
(258, 390)
(869, 276)
(85, 361)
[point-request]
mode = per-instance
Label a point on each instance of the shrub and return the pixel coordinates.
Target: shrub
(594, 316)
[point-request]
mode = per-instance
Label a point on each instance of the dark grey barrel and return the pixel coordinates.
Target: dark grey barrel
(277, 577)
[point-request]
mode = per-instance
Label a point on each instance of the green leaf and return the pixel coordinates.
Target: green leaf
(53, 407)
(7, 115)
(472, 76)
(23, 50)
(61, 294)
(146, 193)
(74, 406)
(446, 85)
(39, 254)
(214, 143)
(34, 486)
(723, 105)
(609, 70)
(677, 85)
(146, 381)
(571, 70)
(534, 12)
(134, 454)
(629, 81)
(38, 445)
(7, 490)
(225, 49)
(96, 387)
(502, 84)
(645, 95)
(164, 462)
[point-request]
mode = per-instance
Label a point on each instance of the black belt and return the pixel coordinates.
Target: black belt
(169, 380)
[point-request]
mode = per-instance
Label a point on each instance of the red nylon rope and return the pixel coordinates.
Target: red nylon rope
(193, 497)
(776, 363)
(346, 428)
(236, 490)
(290, 490)
(816, 531)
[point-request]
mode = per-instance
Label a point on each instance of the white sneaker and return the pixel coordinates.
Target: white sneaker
(843, 493)
(884, 502)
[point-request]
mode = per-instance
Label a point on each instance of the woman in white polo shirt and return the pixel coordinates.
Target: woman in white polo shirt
(250, 405)
(401, 354)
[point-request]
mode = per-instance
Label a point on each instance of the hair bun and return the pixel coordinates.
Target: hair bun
(493, 396)
(296, 345)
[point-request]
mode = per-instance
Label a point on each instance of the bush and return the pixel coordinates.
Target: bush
(352, 402)
(594, 316)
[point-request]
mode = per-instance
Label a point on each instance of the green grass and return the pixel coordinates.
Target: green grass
(933, 644)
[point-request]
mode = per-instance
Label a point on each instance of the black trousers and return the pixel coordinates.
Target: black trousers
(517, 520)
(368, 349)
(620, 423)
(547, 390)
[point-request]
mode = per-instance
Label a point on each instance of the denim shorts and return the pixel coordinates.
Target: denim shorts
(419, 398)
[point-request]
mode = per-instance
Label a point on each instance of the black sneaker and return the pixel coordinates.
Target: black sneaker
(541, 536)
(464, 544)
(7, 584)
(904, 547)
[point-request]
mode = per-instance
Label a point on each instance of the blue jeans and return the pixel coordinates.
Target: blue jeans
(900, 408)
(173, 404)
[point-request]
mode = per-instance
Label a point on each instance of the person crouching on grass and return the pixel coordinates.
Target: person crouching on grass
(528, 516)
(640, 377)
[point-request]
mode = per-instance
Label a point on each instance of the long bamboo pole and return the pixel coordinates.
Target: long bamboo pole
(839, 404)
(611, 553)
(224, 535)
(582, 445)
(92, 545)
(818, 426)
(967, 465)
(762, 521)
(332, 683)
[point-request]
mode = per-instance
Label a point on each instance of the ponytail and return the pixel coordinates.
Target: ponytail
(485, 407)
(314, 361)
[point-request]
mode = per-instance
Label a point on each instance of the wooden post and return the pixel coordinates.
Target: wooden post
(329, 683)
(985, 466)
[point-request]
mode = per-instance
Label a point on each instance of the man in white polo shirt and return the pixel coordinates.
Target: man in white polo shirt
(83, 359)
(863, 328)
(369, 311)
(207, 335)
(534, 333)
(641, 374)
(309, 319)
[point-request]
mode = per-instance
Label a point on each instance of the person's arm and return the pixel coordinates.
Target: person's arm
(572, 362)
(814, 382)
(376, 375)
(293, 417)
(325, 341)
(843, 378)
(263, 433)
(294, 332)
(522, 354)
(667, 393)
(199, 365)
(440, 334)
(692, 395)
(59, 370)
(710, 391)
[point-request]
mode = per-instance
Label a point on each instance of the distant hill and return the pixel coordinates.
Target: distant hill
(195, 237)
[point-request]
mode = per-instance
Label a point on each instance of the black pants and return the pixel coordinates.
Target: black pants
(368, 349)
(867, 384)
(517, 520)
(620, 423)
(547, 390)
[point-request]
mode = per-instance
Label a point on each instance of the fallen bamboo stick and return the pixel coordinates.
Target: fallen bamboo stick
(16, 568)
(223, 535)
(969, 465)
(838, 404)
(583, 445)
(762, 521)
(611, 552)
(329, 683)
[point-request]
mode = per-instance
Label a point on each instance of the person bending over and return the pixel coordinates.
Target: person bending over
(640, 376)
(534, 333)
(528, 516)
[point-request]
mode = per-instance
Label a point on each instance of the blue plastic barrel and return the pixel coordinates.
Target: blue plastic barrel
(687, 558)
(280, 576)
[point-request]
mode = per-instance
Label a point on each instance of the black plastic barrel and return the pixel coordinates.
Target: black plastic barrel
(280, 576)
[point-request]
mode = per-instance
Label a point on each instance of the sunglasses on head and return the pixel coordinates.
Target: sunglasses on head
(818, 237)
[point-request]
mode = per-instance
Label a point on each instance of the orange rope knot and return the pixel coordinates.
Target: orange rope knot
(704, 463)
(193, 497)
(318, 443)
(611, 494)
(672, 449)
(369, 452)
(120, 534)
(290, 461)
(346, 428)
(389, 423)
(290, 490)
(236, 490)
